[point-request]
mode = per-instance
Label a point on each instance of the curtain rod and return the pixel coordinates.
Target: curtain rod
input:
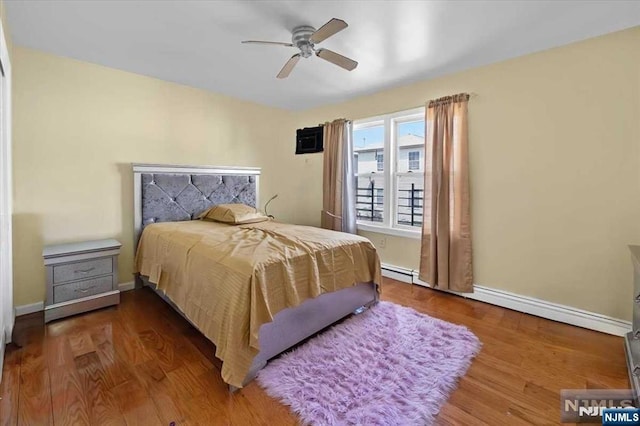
(472, 95)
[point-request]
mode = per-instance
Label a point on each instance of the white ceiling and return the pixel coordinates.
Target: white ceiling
(197, 43)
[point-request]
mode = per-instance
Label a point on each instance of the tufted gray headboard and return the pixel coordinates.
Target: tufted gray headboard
(173, 193)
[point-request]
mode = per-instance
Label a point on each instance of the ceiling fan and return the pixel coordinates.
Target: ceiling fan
(305, 38)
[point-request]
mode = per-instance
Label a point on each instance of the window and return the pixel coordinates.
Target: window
(380, 161)
(414, 160)
(389, 176)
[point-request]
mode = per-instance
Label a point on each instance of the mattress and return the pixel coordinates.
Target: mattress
(231, 279)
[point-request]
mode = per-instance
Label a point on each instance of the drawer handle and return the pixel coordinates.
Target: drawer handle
(84, 290)
(84, 271)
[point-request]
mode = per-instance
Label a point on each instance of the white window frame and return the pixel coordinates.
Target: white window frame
(390, 225)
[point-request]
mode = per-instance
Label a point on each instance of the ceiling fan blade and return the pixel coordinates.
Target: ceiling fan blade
(288, 67)
(276, 43)
(327, 30)
(337, 59)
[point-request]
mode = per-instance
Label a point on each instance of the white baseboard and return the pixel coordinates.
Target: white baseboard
(543, 309)
(29, 309)
(39, 306)
(127, 286)
(550, 310)
(525, 304)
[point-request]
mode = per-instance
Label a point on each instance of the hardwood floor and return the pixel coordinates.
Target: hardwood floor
(141, 363)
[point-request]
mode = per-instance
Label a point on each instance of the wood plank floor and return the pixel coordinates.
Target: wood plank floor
(141, 364)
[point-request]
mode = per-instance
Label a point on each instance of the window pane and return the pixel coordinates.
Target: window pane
(368, 148)
(411, 200)
(414, 160)
(370, 197)
(410, 146)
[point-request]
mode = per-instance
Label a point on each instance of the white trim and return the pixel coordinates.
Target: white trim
(413, 114)
(127, 286)
(397, 232)
(368, 122)
(29, 309)
(7, 316)
(543, 309)
(180, 168)
(389, 161)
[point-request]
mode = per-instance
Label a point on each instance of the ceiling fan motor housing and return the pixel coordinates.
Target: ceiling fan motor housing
(300, 39)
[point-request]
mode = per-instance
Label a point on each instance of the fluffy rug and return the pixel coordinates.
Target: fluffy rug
(388, 366)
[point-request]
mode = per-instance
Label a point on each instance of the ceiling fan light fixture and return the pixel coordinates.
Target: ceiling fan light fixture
(306, 50)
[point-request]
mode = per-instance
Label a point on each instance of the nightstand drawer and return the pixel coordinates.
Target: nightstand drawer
(71, 291)
(80, 270)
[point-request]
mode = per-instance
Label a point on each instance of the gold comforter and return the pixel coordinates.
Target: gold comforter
(229, 280)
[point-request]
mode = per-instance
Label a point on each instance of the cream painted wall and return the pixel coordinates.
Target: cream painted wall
(555, 170)
(396, 251)
(77, 128)
(555, 162)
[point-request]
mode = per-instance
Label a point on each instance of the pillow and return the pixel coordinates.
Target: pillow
(233, 214)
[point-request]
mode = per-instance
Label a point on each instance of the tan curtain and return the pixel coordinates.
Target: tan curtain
(445, 258)
(338, 204)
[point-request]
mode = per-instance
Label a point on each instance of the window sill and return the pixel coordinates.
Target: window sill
(397, 232)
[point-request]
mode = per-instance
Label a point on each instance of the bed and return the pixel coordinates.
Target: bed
(254, 290)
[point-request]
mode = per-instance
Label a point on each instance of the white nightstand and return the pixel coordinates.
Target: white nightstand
(81, 277)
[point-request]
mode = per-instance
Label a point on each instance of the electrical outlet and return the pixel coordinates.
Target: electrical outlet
(383, 242)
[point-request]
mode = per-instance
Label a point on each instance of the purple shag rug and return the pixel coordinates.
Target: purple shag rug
(387, 366)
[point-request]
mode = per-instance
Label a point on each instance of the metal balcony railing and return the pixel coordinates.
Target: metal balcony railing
(370, 204)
